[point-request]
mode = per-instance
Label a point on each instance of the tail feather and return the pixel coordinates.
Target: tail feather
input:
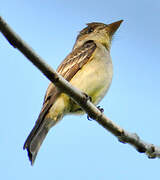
(41, 128)
(38, 133)
(35, 140)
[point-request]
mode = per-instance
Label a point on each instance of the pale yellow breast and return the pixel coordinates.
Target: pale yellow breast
(95, 77)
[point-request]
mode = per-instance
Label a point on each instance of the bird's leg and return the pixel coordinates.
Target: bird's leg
(101, 109)
(89, 118)
(90, 99)
(87, 97)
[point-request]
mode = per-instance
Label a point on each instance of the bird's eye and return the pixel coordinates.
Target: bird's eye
(90, 30)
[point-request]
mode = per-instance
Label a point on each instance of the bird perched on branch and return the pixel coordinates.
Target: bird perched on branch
(89, 68)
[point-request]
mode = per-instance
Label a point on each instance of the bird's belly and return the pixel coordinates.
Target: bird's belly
(94, 79)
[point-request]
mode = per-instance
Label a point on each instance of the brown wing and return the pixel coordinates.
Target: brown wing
(71, 65)
(76, 59)
(68, 68)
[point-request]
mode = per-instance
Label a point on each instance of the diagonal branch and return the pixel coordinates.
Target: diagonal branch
(80, 98)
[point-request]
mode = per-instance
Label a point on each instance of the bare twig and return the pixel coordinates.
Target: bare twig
(79, 97)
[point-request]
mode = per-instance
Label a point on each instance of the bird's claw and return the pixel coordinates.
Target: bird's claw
(89, 119)
(101, 109)
(87, 97)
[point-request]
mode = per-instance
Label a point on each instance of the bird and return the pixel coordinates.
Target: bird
(89, 68)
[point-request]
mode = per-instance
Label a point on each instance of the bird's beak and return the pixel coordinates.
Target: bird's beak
(112, 28)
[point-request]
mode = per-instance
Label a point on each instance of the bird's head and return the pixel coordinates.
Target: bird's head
(98, 32)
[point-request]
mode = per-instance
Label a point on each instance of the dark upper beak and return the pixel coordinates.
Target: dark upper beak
(112, 28)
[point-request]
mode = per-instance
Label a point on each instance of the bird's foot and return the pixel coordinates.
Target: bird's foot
(99, 107)
(89, 119)
(87, 97)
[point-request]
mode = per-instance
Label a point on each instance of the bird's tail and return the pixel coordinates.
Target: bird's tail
(45, 121)
(35, 139)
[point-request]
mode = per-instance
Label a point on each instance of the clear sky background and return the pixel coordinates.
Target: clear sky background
(77, 148)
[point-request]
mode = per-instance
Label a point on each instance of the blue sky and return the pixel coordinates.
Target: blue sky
(77, 148)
